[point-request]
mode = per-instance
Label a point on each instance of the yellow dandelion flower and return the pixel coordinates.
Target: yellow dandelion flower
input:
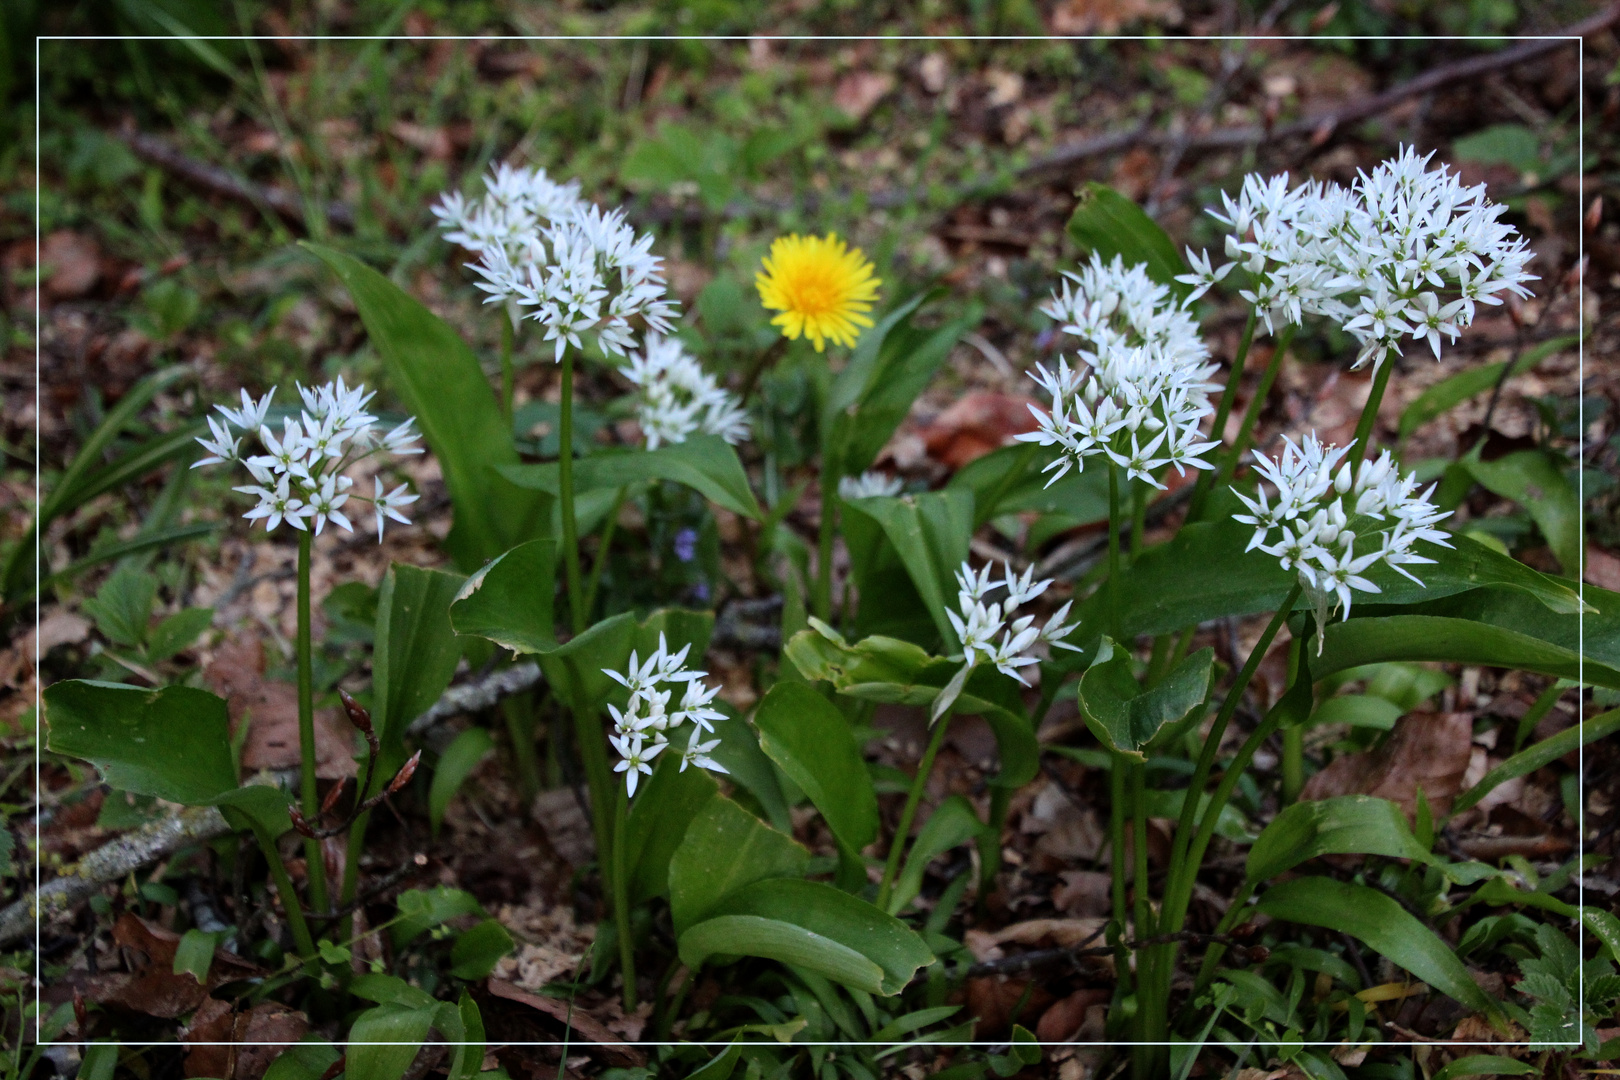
(822, 288)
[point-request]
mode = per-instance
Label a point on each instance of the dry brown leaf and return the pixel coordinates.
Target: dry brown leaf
(995, 999)
(1602, 569)
(1108, 16)
(236, 673)
(977, 424)
(72, 264)
(254, 1033)
(152, 987)
(1062, 1021)
(1083, 894)
(859, 92)
(1046, 933)
(582, 1022)
(1425, 750)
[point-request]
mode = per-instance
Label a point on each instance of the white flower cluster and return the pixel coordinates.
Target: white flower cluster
(868, 484)
(542, 247)
(300, 476)
(1143, 385)
(678, 398)
(1321, 514)
(1404, 251)
(648, 716)
(982, 622)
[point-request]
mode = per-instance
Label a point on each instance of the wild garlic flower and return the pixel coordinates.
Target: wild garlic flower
(991, 632)
(577, 270)
(642, 728)
(1139, 390)
(300, 477)
(1330, 529)
(1405, 251)
(868, 484)
(678, 399)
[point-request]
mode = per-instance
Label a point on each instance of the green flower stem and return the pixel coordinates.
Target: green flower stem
(1222, 411)
(822, 601)
(351, 868)
(1113, 549)
(599, 778)
(506, 369)
(289, 897)
(1212, 956)
(519, 713)
(1162, 644)
(621, 900)
(1189, 849)
(1139, 500)
(1369, 416)
(1293, 763)
(897, 846)
(565, 481)
(1251, 416)
(602, 551)
(1118, 807)
(1141, 912)
(1183, 867)
(990, 843)
(308, 798)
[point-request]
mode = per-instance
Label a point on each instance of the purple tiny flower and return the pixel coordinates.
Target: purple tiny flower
(686, 545)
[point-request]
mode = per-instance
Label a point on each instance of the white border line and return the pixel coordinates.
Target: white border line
(1580, 293)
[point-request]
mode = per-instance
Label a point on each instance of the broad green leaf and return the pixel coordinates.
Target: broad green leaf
(889, 604)
(415, 655)
(1485, 1065)
(389, 990)
(658, 821)
(1501, 144)
(423, 909)
(1532, 479)
(1345, 825)
(1128, 719)
(931, 532)
(1542, 753)
(123, 605)
(455, 764)
(1106, 223)
(177, 632)
(1381, 923)
(478, 950)
(463, 1025)
(516, 610)
(1358, 710)
(812, 742)
(194, 954)
(858, 377)
(726, 848)
(1011, 480)
(721, 1066)
(385, 1040)
(705, 463)
(1458, 388)
(746, 765)
(953, 823)
(796, 921)
(439, 379)
(306, 1060)
(891, 671)
(100, 1061)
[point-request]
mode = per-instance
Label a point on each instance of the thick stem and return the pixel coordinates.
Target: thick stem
(1293, 763)
(1369, 416)
(602, 551)
(289, 898)
(565, 481)
(599, 778)
(821, 603)
(1141, 911)
(1113, 549)
(1139, 501)
(990, 845)
(1251, 415)
(897, 846)
(1118, 807)
(506, 371)
(1217, 429)
(518, 711)
(351, 871)
(308, 798)
(621, 901)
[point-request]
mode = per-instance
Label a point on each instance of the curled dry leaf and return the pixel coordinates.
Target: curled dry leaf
(1000, 1002)
(1042, 933)
(242, 1042)
(236, 673)
(1063, 1021)
(1426, 750)
(151, 986)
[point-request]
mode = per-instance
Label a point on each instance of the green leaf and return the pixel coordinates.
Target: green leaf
(953, 823)
(1484, 1065)
(815, 926)
(423, 909)
(1452, 391)
(455, 764)
(390, 990)
(1500, 144)
(812, 742)
(1345, 825)
(1106, 223)
(746, 765)
(1532, 479)
(477, 951)
(721, 1066)
(443, 387)
(140, 543)
(1128, 719)
(1011, 480)
(194, 955)
(177, 632)
(705, 463)
(462, 1024)
(931, 532)
(725, 849)
(1382, 924)
(123, 605)
(385, 1040)
(1358, 710)
(172, 743)
(1542, 753)
(307, 1060)
(857, 379)
(516, 610)
(415, 655)
(99, 1062)
(658, 821)
(891, 671)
